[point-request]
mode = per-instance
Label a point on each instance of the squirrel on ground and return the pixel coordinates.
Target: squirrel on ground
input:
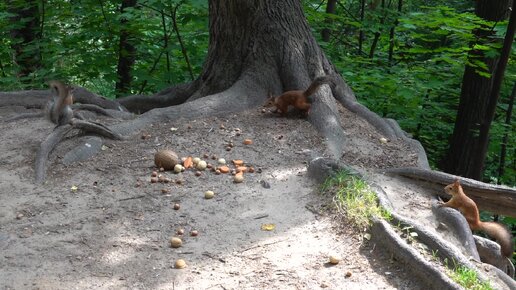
(469, 209)
(58, 110)
(297, 98)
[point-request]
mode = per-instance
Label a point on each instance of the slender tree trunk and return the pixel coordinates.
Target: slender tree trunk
(180, 40)
(377, 34)
(25, 19)
(391, 33)
(361, 33)
(126, 52)
(165, 43)
(466, 153)
(505, 140)
(330, 9)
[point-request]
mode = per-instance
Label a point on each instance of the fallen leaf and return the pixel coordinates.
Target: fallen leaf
(268, 227)
(74, 188)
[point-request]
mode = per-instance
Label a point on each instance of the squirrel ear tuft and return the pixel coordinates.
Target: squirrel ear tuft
(456, 183)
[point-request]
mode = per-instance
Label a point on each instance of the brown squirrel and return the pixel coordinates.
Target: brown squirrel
(58, 110)
(297, 98)
(469, 209)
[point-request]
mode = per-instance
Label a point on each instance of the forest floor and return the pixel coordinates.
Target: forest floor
(101, 223)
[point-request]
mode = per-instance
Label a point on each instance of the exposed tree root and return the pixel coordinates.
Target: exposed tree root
(93, 108)
(58, 134)
(38, 99)
(45, 148)
(494, 198)
(96, 128)
(169, 97)
(25, 116)
(248, 92)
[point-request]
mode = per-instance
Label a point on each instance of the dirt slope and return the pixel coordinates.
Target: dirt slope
(113, 231)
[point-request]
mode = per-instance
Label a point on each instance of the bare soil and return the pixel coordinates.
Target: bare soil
(113, 231)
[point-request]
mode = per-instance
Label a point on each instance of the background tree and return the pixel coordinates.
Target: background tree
(126, 50)
(25, 32)
(466, 154)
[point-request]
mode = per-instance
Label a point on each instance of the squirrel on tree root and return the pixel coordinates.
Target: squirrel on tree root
(58, 110)
(297, 98)
(469, 209)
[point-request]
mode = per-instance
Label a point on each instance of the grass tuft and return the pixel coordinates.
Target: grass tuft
(468, 279)
(354, 199)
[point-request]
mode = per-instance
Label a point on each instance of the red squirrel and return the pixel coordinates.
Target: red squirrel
(58, 110)
(296, 98)
(469, 209)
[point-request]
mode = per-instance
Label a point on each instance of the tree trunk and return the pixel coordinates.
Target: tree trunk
(255, 48)
(464, 156)
(25, 32)
(126, 52)
(330, 9)
(391, 33)
(505, 140)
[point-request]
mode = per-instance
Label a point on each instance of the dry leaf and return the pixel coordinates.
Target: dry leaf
(268, 227)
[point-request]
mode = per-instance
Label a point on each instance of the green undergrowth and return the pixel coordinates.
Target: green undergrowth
(468, 279)
(354, 199)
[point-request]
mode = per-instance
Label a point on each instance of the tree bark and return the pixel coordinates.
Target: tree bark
(126, 52)
(505, 140)
(255, 48)
(25, 31)
(330, 9)
(465, 155)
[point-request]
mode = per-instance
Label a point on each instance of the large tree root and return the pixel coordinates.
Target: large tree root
(96, 128)
(494, 198)
(38, 98)
(45, 148)
(172, 96)
(33, 115)
(58, 134)
(248, 92)
(115, 114)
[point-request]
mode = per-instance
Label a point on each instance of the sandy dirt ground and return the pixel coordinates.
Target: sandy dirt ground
(113, 231)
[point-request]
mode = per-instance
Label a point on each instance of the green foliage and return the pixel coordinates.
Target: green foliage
(468, 279)
(419, 85)
(80, 42)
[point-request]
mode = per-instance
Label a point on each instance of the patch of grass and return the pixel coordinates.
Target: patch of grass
(468, 279)
(355, 199)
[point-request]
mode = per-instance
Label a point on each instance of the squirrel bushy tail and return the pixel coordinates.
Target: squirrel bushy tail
(498, 232)
(316, 84)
